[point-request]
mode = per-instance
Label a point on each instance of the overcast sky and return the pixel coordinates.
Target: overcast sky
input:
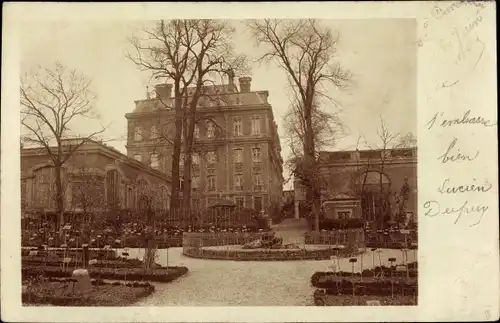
(381, 54)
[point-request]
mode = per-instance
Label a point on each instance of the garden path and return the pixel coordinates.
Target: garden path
(245, 283)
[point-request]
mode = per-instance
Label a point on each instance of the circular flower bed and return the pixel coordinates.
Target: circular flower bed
(230, 246)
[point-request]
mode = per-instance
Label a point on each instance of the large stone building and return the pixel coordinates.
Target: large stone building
(237, 149)
(95, 178)
(364, 174)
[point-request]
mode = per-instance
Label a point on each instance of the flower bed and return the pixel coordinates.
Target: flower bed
(69, 252)
(261, 254)
(370, 286)
(320, 277)
(195, 245)
(161, 274)
(322, 299)
(102, 294)
(49, 261)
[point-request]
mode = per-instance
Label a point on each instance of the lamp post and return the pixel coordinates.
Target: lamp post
(353, 261)
(373, 259)
(361, 262)
(392, 260)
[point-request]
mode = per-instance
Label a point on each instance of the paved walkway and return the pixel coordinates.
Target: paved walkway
(233, 283)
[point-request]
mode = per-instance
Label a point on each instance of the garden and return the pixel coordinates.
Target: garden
(48, 276)
(61, 292)
(380, 285)
(125, 229)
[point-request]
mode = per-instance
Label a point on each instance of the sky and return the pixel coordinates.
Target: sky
(381, 55)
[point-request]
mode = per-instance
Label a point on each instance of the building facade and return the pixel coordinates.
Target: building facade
(364, 175)
(95, 178)
(237, 152)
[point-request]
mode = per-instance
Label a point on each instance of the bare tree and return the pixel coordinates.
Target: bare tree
(191, 53)
(52, 101)
(161, 51)
(406, 141)
(388, 141)
(306, 51)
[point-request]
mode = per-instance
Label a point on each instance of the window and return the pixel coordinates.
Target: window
(239, 201)
(138, 157)
(195, 183)
(238, 155)
(155, 161)
(256, 155)
(210, 129)
(196, 131)
(211, 157)
(112, 194)
(344, 215)
(237, 131)
(211, 183)
(238, 182)
(257, 178)
(257, 203)
(154, 133)
(181, 160)
(195, 159)
(137, 134)
(255, 125)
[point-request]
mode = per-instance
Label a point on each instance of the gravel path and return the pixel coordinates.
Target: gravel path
(233, 283)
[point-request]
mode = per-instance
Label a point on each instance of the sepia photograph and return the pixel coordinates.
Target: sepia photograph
(219, 162)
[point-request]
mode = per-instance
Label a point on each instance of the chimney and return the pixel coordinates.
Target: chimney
(163, 90)
(245, 83)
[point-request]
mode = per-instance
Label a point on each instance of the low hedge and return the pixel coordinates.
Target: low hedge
(101, 282)
(69, 252)
(118, 262)
(387, 272)
(161, 274)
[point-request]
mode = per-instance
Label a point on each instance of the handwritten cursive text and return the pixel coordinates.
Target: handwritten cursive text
(453, 154)
(445, 188)
(433, 208)
(466, 119)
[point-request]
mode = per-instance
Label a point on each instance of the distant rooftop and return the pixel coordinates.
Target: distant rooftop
(213, 96)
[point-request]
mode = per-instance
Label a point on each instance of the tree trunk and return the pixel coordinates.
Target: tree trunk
(150, 250)
(59, 196)
(174, 200)
(311, 165)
